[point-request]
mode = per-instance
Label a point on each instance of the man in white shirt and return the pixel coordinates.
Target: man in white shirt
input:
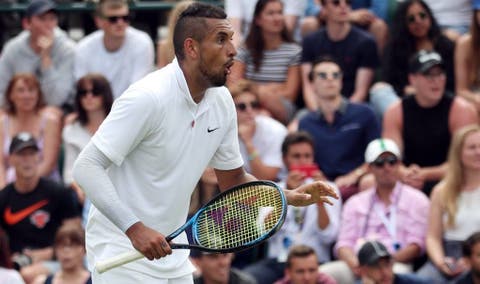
(144, 161)
(118, 51)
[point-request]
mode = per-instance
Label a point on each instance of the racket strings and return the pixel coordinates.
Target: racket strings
(239, 218)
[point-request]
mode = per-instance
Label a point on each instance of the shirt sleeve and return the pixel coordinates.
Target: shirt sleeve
(126, 126)
(368, 53)
(349, 233)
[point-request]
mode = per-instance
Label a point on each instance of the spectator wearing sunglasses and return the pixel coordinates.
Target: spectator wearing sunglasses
(118, 51)
(92, 104)
(414, 28)
(341, 129)
(391, 211)
(454, 213)
(431, 114)
(260, 136)
(352, 47)
(41, 49)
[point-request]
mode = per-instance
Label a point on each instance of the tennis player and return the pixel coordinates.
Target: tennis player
(143, 163)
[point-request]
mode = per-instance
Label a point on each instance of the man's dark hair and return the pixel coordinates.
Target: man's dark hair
(322, 59)
(191, 24)
(296, 138)
(469, 243)
(299, 251)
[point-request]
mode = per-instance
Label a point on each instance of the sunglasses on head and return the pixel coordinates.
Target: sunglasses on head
(380, 162)
(325, 75)
(337, 2)
(412, 18)
(84, 92)
(243, 106)
(115, 19)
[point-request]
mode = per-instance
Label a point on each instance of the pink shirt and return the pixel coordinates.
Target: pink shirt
(362, 219)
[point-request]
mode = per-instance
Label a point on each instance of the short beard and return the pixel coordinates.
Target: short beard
(214, 80)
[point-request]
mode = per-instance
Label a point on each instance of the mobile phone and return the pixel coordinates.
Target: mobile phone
(307, 169)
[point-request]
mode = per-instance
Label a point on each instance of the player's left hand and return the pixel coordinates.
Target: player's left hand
(311, 193)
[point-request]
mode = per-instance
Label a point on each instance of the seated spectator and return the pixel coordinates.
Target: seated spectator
(41, 49)
(454, 213)
(216, 268)
(432, 114)
(165, 52)
(316, 225)
(302, 268)
(25, 111)
(271, 60)
(32, 209)
(453, 16)
(69, 249)
(8, 275)
(414, 28)
(467, 61)
(471, 252)
(118, 51)
(363, 15)
(391, 211)
(240, 14)
(341, 129)
(353, 48)
(376, 267)
(260, 136)
(93, 101)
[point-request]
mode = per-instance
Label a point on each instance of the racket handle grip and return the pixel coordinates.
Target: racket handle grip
(118, 260)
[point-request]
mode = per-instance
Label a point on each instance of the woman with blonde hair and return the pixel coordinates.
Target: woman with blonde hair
(165, 53)
(454, 213)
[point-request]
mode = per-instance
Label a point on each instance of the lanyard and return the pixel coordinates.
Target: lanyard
(389, 223)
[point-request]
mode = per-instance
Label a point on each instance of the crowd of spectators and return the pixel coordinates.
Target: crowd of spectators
(379, 98)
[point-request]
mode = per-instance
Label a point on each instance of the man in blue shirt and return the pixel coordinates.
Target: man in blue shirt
(341, 129)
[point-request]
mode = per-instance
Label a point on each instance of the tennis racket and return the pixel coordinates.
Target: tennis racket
(234, 220)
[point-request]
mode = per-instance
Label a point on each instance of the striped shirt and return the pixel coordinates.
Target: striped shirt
(275, 63)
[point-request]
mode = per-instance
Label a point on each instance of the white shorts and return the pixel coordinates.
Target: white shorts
(121, 275)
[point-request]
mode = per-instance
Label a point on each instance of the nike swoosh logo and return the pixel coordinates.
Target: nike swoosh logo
(213, 129)
(14, 218)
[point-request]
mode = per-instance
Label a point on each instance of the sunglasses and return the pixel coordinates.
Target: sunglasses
(84, 92)
(380, 162)
(252, 105)
(115, 19)
(412, 18)
(325, 75)
(337, 2)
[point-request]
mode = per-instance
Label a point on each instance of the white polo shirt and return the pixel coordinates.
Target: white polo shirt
(160, 142)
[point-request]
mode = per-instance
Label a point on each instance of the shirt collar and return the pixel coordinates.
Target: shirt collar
(342, 109)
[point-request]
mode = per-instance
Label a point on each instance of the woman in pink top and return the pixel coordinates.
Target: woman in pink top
(25, 111)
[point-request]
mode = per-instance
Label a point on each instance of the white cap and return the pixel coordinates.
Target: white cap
(380, 146)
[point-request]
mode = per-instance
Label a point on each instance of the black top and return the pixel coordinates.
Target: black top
(32, 219)
(356, 50)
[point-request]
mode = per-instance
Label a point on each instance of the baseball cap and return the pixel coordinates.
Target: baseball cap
(476, 4)
(22, 141)
(371, 252)
(380, 146)
(38, 7)
(423, 60)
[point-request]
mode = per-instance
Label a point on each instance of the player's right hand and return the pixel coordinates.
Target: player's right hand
(149, 242)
